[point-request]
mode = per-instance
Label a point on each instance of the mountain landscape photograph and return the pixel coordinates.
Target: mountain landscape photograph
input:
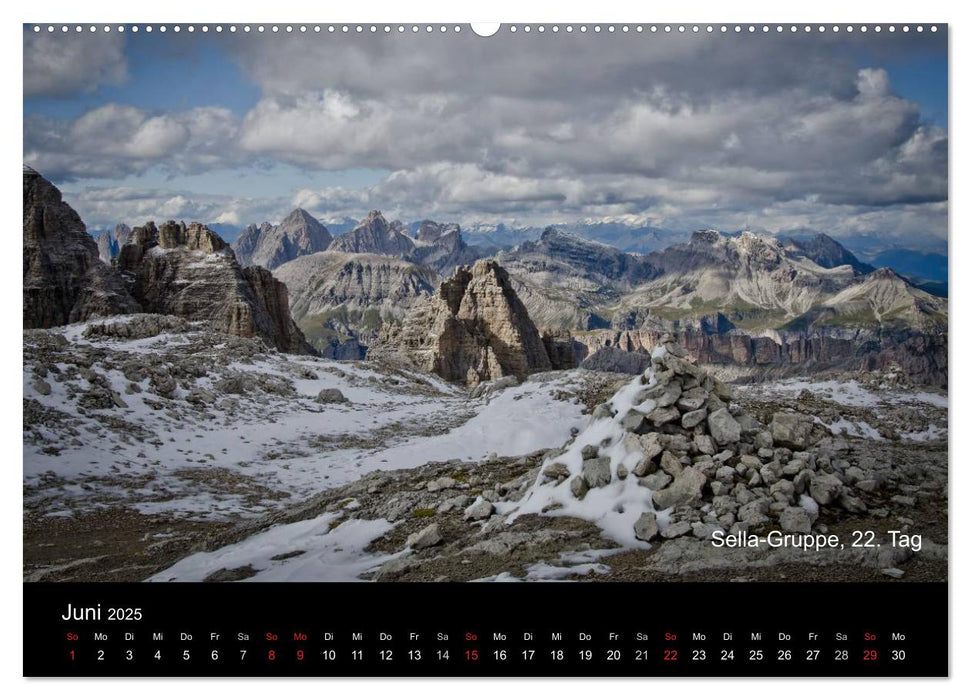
(559, 304)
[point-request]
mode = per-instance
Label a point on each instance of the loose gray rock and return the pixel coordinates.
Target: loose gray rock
(327, 396)
(782, 490)
(480, 510)
(649, 445)
(556, 472)
(660, 416)
(424, 538)
(754, 513)
(676, 530)
(705, 531)
(825, 488)
(851, 503)
(646, 527)
(445, 482)
(669, 396)
(723, 427)
(596, 472)
(670, 464)
(791, 430)
(655, 481)
(644, 467)
(693, 399)
(795, 520)
(686, 487)
(704, 444)
(450, 504)
(579, 487)
(693, 418)
(633, 422)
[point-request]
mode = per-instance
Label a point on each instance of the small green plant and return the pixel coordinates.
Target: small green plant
(423, 512)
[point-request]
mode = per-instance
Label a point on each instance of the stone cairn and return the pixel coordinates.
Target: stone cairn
(702, 463)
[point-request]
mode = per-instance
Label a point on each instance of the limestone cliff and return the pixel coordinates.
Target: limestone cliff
(189, 271)
(474, 329)
(64, 280)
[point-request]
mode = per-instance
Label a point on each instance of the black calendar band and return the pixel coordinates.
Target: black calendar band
(551, 629)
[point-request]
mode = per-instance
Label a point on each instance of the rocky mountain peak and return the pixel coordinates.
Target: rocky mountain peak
(886, 273)
(340, 299)
(706, 236)
(195, 236)
(375, 235)
(474, 329)
(190, 272)
(300, 217)
(824, 251)
(271, 246)
(121, 233)
(554, 236)
(431, 231)
(299, 224)
(559, 259)
(64, 279)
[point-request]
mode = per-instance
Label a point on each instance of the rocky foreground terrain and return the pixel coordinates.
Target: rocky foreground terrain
(143, 432)
(156, 448)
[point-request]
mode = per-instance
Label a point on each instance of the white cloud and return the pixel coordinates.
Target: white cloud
(675, 130)
(115, 140)
(104, 207)
(873, 82)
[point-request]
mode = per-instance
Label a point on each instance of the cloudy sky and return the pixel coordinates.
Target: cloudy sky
(845, 133)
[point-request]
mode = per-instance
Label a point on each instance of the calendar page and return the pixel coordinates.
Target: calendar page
(330, 330)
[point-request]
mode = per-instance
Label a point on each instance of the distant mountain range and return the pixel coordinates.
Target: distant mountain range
(925, 266)
(346, 284)
(750, 282)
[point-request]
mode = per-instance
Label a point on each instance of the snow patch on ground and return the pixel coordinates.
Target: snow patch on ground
(221, 461)
(930, 434)
(854, 428)
(846, 393)
(571, 564)
(326, 553)
(614, 507)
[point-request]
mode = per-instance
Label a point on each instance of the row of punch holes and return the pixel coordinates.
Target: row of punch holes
(513, 28)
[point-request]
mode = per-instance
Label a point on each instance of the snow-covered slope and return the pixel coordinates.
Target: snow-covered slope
(188, 422)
